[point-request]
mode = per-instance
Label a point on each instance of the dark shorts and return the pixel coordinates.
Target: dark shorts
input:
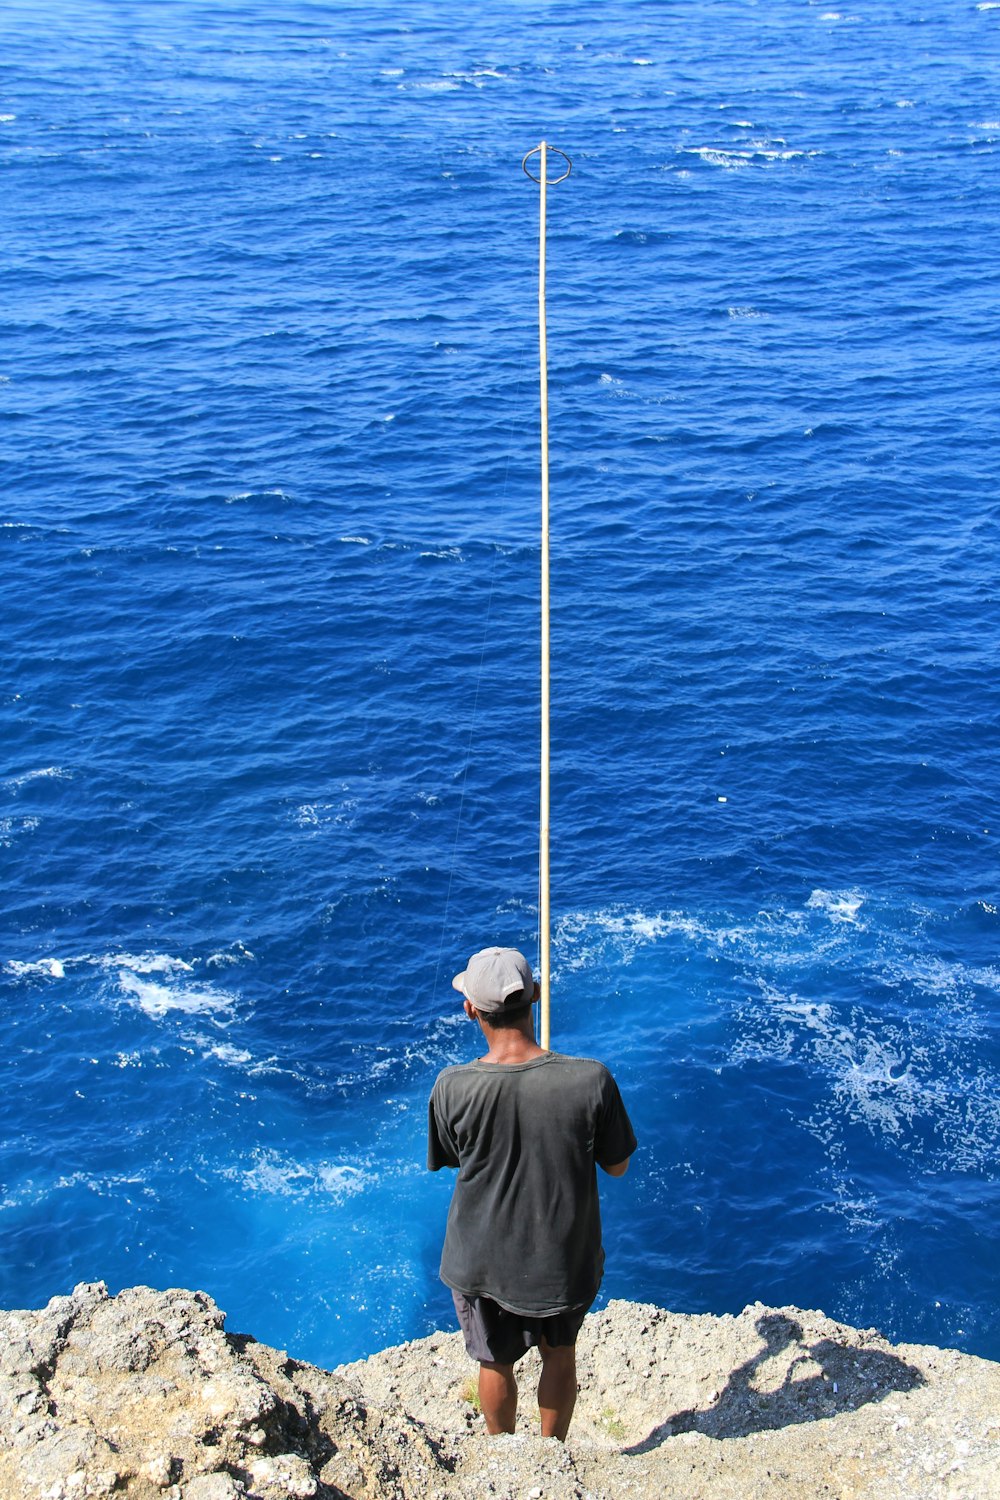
(495, 1336)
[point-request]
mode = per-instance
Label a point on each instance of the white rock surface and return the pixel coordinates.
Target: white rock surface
(144, 1395)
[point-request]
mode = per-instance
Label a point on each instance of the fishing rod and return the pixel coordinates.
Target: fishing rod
(544, 919)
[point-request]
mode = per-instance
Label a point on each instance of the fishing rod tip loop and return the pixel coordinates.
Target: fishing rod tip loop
(536, 151)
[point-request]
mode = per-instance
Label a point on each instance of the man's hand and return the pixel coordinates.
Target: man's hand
(618, 1170)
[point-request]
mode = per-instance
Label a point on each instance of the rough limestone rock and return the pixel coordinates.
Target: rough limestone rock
(144, 1395)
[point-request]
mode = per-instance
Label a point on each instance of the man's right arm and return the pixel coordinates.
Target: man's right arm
(615, 1137)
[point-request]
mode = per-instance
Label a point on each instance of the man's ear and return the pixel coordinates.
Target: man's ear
(538, 992)
(470, 1009)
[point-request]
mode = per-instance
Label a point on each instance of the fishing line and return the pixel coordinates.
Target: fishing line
(479, 675)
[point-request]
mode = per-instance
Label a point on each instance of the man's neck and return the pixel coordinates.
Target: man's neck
(507, 1047)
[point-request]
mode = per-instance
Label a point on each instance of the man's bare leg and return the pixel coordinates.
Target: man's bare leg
(498, 1397)
(556, 1388)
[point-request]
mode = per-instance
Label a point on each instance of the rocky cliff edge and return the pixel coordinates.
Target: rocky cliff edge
(145, 1395)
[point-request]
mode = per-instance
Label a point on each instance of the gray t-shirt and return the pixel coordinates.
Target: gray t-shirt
(524, 1225)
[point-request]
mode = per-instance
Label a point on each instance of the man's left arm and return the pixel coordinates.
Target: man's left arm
(442, 1148)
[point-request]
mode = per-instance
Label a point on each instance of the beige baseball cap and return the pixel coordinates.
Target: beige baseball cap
(497, 979)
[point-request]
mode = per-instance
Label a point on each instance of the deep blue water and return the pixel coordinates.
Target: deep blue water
(269, 592)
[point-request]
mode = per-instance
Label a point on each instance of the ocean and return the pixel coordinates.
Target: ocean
(270, 597)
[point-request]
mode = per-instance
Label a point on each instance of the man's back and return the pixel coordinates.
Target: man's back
(524, 1226)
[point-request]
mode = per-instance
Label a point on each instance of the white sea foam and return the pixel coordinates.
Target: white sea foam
(582, 940)
(319, 814)
(339, 1180)
(10, 828)
(779, 939)
(158, 1000)
(238, 954)
(910, 1073)
(146, 963)
(50, 968)
(478, 76)
(962, 1010)
(233, 1057)
(912, 1080)
(867, 1069)
(839, 906)
(760, 152)
(169, 991)
(275, 492)
(103, 1185)
(617, 934)
(714, 156)
(274, 1175)
(860, 1211)
(14, 783)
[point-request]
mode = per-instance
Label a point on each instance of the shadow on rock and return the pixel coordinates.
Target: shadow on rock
(804, 1383)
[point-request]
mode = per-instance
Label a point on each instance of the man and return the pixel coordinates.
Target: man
(522, 1251)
